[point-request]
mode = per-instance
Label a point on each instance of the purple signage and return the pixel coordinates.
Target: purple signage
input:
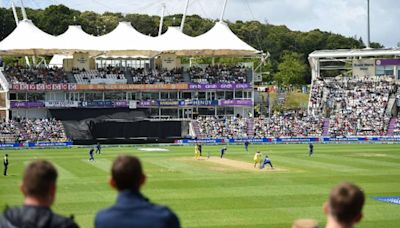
(236, 102)
(121, 104)
(147, 103)
(386, 62)
(26, 104)
(220, 86)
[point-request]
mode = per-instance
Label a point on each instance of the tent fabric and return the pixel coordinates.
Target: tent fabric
(220, 40)
(75, 39)
(124, 40)
(27, 39)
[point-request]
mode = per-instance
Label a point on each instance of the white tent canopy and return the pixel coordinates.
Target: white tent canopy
(27, 39)
(220, 40)
(75, 39)
(124, 40)
(173, 40)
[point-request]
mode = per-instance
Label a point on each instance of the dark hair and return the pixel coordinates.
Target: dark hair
(38, 178)
(127, 172)
(346, 201)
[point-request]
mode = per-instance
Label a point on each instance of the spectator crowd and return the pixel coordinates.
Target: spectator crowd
(218, 74)
(355, 106)
(230, 127)
(33, 75)
(144, 76)
(288, 124)
(122, 75)
(27, 130)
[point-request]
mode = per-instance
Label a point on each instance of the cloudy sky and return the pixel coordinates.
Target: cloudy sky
(347, 17)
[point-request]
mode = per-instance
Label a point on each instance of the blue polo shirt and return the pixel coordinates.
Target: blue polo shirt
(132, 209)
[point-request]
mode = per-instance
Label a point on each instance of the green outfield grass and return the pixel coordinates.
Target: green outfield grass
(208, 194)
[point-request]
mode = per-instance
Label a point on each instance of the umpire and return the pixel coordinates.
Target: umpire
(5, 162)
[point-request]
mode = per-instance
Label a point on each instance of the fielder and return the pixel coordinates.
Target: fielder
(223, 150)
(310, 149)
(267, 161)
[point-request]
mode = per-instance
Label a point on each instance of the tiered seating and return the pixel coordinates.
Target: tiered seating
(21, 74)
(230, 127)
(142, 76)
(99, 77)
(288, 124)
(355, 106)
(218, 74)
(26, 130)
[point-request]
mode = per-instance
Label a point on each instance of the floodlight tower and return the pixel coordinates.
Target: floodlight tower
(184, 15)
(161, 19)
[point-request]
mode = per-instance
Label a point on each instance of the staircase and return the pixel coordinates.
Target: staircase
(392, 126)
(71, 78)
(250, 127)
(128, 75)
(325, 127)
(196, 129)
(390, 105)
(186, 77)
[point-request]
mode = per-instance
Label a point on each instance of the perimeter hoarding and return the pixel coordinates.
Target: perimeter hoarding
(352, 139)
(80, 87)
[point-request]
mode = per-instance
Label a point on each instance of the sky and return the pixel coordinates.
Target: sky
(347, 17)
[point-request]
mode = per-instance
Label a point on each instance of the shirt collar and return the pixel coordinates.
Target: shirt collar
(130, 195)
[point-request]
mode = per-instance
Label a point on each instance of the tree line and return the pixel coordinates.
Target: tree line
(287, 64)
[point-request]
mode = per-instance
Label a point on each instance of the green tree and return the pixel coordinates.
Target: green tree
(291, 70)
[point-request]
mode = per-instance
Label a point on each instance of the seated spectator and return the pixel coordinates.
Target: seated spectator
(38, 75)
(28, 130)
(218, 74)
(344, 206)
(132, 209)
(156, 76)
(39, 189)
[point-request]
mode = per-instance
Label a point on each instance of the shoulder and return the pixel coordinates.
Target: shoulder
(149, 214)
(63, 222)
(5, 223)
(165, 214)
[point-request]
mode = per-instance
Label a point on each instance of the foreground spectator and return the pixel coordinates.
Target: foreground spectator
(132, 209)
(344, 206)
(305, 223)
(39, 188)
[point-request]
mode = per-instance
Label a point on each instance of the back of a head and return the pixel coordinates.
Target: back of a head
(346, 201)
(127, 173)
(39, 177)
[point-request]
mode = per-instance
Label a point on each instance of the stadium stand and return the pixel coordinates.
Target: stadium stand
(218, 74)
(354, 106)
(108, 75)
(230, 127)
(21, 74)
(27, 130)
(288, 124)
(143, 76)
